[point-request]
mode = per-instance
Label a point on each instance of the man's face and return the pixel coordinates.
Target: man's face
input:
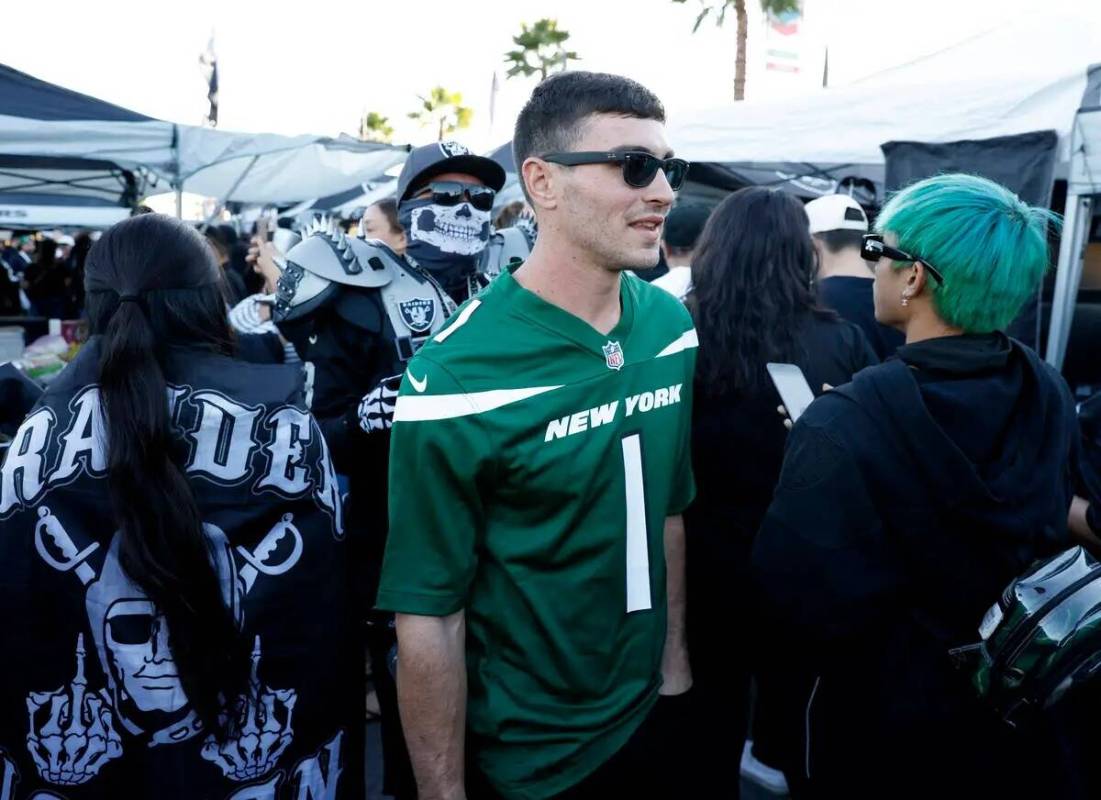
(619, 224)
(27, 246)
(377, 226)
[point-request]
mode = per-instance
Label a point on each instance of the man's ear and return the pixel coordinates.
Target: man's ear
(539, 180)
(918, 278)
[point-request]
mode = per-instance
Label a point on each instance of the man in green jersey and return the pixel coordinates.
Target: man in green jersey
(539, 464)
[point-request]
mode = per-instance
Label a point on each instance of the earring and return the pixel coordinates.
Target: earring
(905, 300)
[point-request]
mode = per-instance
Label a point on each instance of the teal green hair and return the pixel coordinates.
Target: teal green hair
(990, 246)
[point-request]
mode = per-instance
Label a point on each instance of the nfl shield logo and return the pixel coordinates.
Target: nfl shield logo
(613, 355)
(418, 314)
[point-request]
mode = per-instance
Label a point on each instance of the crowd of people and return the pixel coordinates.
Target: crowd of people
(532, 469)
(44, 276)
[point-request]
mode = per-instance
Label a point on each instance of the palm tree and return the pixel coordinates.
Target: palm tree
(444, 110)
(718, 8)
(373, 127)
(544, 44)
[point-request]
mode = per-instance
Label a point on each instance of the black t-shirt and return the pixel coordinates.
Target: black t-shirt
(852, 299)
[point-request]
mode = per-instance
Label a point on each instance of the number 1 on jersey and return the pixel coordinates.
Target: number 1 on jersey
(638, 545)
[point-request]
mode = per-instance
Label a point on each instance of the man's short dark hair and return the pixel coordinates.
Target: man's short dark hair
(551, 120)
(838, 240)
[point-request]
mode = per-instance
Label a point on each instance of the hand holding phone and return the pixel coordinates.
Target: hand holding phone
(793, 388)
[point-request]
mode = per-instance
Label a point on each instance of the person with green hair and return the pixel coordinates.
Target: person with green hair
(909, 499)
(983, 254)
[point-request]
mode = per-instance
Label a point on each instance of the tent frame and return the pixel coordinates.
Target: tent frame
(1078, 214)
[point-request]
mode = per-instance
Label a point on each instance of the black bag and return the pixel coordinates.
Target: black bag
(1041, 639)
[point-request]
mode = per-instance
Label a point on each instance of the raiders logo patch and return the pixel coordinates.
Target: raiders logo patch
(418, 314)
(452, 149)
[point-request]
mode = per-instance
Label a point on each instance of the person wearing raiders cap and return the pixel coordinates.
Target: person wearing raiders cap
(844, 281)
(445, 200)
(355, 312)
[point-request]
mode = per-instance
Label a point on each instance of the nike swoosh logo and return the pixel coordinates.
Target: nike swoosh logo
(420, 385)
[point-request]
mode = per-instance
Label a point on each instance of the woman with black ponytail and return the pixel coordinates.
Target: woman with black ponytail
(171, 555)
(151, 286)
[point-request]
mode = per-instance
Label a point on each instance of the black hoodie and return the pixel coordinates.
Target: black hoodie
(907, 501)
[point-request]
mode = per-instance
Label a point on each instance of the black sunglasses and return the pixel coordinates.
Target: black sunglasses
(451, 193)
(639, 167)
(873, 248)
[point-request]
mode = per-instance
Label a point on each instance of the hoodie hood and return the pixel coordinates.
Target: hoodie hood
(981, 421)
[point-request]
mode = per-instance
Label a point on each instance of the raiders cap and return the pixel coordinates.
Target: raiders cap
(430, 160)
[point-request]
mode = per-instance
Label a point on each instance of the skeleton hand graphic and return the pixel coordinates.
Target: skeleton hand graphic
(376, 409)
(259, 729)
(72, 732)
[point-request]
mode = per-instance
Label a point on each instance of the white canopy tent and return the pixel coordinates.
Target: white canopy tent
(351, 202)
(51, 192)
(847, 125)
(1032, 73)
(265, 168)
(73, 145)
(1028, 74)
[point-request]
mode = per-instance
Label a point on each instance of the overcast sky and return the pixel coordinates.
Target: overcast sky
(314, 67)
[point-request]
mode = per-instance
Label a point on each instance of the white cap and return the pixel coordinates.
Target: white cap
(836, 212)
(64, 239)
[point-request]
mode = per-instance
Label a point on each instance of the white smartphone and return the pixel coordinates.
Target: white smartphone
(793, 388)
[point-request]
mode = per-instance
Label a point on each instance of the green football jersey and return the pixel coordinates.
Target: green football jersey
(532, 465)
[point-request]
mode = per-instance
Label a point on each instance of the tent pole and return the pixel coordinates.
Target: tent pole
(177, 183)
(229, 194)
(1067, 277)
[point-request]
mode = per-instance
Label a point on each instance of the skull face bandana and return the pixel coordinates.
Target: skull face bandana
(445, 240)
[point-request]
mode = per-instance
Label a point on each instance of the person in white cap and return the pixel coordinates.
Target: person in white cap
(844, 280)
(65, 244)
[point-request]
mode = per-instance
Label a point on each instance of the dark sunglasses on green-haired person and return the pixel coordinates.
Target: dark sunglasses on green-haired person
(873, 248)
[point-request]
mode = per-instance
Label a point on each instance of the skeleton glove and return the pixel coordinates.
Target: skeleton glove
(376, 409)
